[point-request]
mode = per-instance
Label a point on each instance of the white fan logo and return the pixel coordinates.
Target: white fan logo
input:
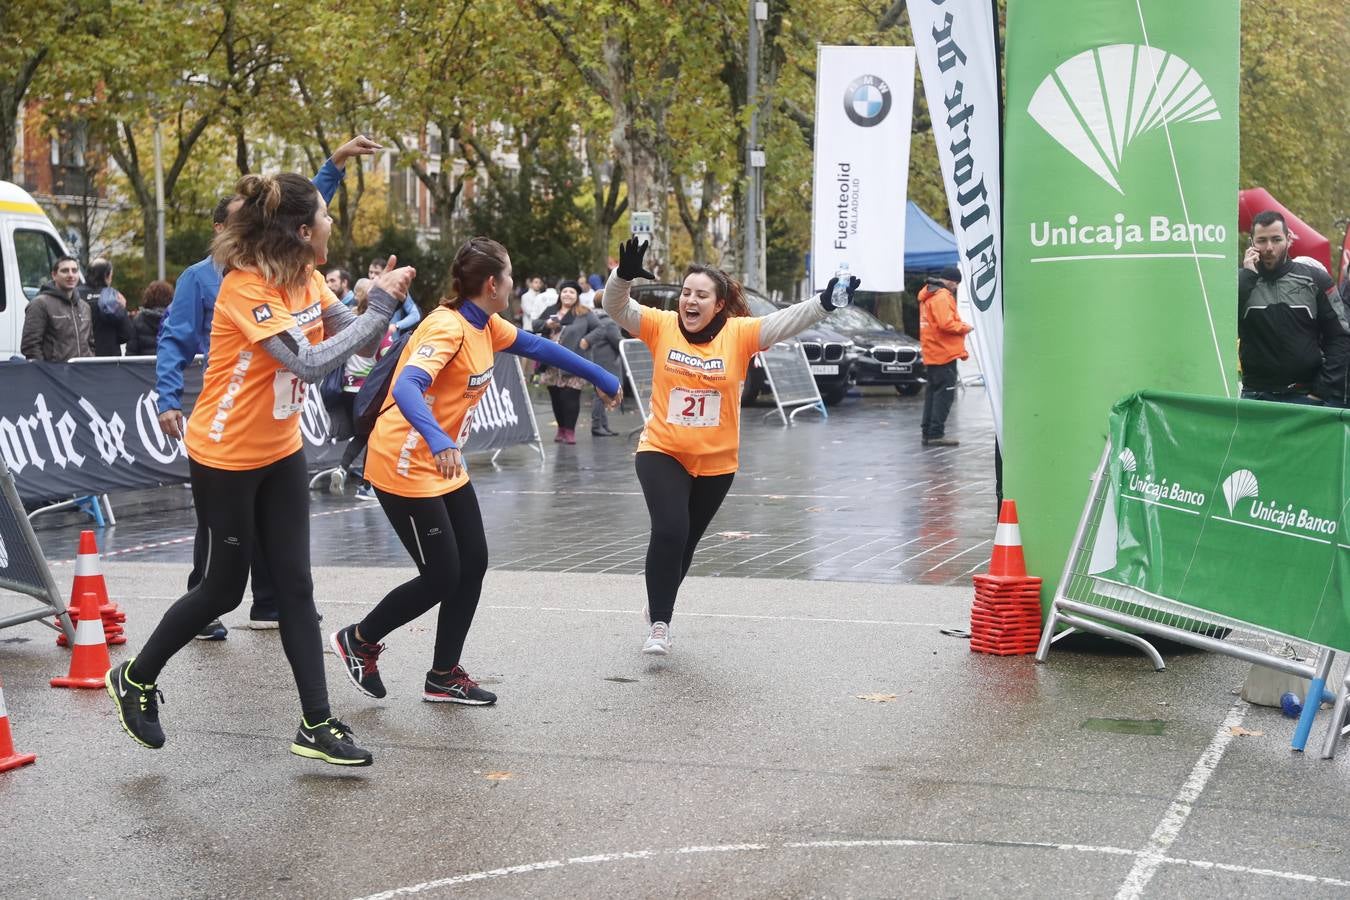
(1096, 103)
(1127, 460)
(1238, 486)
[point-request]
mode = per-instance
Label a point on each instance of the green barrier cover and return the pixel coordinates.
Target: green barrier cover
(1237, 507)
(1120, 246)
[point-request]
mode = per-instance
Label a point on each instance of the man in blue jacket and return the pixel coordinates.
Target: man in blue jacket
(186, 331)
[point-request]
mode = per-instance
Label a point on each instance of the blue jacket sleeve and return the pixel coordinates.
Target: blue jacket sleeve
(178, 342)
(327, 180)
(408, 315)
(534, 347)
(408, 393)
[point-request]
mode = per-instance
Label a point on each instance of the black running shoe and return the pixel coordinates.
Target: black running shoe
(360, 660)
(456, 687)
(329, 741)
(137, 706)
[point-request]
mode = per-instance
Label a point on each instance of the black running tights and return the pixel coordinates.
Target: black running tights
(444, 536)
(566, 406)
(269, 505)
(681, 506)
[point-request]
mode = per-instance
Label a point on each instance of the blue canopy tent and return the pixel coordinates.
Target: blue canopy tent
(928, 246)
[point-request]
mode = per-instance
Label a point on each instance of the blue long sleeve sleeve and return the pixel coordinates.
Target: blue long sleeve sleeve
(327, 180)
(532, 346)
(408, 315)
(409, 393)
(178, 341)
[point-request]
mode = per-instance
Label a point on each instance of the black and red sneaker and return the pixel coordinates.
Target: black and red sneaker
(360, 660)
(456, 687)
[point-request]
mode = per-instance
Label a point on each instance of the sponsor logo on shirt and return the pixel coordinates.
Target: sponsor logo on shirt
(690, 361)
(308, 314)
(482, 378)
(262, 313)
(236, 384)
(426, 351)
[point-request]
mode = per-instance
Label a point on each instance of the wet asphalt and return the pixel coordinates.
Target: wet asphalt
(814, 734)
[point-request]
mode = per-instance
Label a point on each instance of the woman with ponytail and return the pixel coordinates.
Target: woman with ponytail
(419, 475)
(277, 328)
(688, 452)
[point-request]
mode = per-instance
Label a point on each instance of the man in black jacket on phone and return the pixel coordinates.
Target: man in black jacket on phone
(1293, 328)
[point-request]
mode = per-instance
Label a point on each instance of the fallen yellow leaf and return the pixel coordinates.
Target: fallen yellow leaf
(1239, 731)
(499, 776)
(876, 698)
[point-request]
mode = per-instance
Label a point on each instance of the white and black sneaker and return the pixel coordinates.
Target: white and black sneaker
(456, 687)
(360, 660)
(329, 741)
(658, 640)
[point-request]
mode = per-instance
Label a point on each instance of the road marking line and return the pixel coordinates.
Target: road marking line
(592, 859)
(1169, 829)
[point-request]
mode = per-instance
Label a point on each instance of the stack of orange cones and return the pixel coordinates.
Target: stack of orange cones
(1005, 619)
(89, 661)
(89, 577)
(9, 757)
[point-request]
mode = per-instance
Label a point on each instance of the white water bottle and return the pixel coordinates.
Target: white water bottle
(839, 299)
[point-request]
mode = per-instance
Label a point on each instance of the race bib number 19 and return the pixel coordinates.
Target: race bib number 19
(697, 408)
(288, 395)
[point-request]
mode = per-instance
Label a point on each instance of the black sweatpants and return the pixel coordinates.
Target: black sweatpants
(264, 592)
(937, 399)
(681, 506)
(566, 406)
(444, 536)
(271, 506)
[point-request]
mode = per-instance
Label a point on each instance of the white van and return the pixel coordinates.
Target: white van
(29, 246)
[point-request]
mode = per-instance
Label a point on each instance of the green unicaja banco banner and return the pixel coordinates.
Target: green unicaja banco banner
(1120, 226)
(1205, 514)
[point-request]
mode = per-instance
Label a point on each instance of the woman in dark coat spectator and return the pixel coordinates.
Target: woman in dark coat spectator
(145, 327)
(603, 349)
(112, 325)
(568, 323)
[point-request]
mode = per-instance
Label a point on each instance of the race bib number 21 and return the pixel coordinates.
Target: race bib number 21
(697, 408)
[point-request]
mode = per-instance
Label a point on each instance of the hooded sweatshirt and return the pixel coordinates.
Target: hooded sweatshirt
(942, 334)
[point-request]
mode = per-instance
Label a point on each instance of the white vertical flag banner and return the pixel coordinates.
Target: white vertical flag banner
(864, 105)
(955, 44)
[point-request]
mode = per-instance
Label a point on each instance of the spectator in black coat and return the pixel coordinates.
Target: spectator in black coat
(107, 306)
(602, 345)
(145, 327)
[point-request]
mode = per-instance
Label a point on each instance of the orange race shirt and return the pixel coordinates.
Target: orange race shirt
(247, 414)
(696, 391)
(458, 357)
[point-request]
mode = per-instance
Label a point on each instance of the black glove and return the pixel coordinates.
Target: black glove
(827, 296)
(630, 260)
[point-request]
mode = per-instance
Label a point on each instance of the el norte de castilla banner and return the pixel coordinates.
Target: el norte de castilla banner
(1119, 246)
(954, 41)
(70, 429)
(864, 107)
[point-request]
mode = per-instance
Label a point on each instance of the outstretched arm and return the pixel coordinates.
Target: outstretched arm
(310, 362)
(534, 347)
(795, 319)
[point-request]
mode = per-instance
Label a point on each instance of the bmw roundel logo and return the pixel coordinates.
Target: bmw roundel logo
(867, 100)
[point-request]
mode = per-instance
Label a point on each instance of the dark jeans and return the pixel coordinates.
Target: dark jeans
(566, 406)
(269, 506)
(681, 507)
(937, 400)
(599, 415)
(444, 536)
(1302, 399)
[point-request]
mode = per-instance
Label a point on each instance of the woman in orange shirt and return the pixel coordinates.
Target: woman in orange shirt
(419, 474)
(277, 328)
(688, 452)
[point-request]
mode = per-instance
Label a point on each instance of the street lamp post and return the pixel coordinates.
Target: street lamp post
(754, 157)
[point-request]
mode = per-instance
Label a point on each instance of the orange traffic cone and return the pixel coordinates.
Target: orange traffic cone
(89, 661)
(9, 757)
(1008, 561)
(88, 573)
